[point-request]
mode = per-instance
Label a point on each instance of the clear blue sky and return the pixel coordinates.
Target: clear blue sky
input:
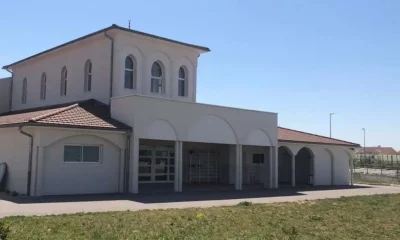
(301, 59)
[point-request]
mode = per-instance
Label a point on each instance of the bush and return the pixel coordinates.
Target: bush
(245, 203)
(4, 230)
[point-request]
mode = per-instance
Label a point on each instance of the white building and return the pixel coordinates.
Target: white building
(116, 111)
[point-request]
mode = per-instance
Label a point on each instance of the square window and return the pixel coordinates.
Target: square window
(258, 158)
(171, 177)
(144, 169)
(72, 153)
(144, 153)
(91, 154)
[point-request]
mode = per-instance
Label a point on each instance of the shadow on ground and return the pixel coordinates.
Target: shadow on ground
(167, 197)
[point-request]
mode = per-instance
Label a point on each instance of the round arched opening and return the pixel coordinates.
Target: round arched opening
(304, 167)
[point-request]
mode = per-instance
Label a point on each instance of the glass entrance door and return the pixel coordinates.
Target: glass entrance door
(156, 164)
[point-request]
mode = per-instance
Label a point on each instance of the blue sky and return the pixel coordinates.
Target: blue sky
(301, 59)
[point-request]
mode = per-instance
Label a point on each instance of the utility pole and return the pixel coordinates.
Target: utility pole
(330, 124)
(365, 157)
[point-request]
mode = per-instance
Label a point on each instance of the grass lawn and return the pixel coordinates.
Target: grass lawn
(370, 217)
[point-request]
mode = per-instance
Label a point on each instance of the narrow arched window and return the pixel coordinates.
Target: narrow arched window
(43, 87)
(24, 90)
(64, 79)
(182, 82)
(157, 78)
(130, 72)
(88, 76)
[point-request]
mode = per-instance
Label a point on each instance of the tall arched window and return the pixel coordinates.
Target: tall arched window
(88, 76)
(157, 78)
(130, 72)
(43, 87)
(182, 82)
(24, 90)
(64, 77)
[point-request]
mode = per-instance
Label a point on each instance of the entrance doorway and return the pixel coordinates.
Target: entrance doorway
(203, 167)
(156, 164)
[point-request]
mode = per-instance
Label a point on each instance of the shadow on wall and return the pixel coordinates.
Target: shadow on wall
(176, 197)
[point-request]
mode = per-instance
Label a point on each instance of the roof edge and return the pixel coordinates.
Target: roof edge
(35, 124)
(350, 143)
(113, 26)
(53, 113)
(321, 143)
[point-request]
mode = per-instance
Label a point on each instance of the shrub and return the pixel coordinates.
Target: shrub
(245, 203)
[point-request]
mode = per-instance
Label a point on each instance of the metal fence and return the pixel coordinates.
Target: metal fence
(376, 169)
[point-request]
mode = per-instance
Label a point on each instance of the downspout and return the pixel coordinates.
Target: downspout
(11, 89)
(28, 184)
(126, 164)
(111, 64)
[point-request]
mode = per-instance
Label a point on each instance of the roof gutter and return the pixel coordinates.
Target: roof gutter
(111, 64)
(28, 184)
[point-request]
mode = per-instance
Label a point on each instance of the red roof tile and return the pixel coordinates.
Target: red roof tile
(86, 114)
(378, 151)
(289, 135)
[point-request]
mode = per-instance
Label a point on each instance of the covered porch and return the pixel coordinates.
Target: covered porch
(180, 146)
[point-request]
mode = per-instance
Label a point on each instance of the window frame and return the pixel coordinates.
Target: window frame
(24, 96)
(43, 82)
(88, 73)
(64, 81)
(184, 80)
(161, 79)
(133, 70)
(100, 151)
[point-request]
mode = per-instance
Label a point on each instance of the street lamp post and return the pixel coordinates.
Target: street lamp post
(330, 124)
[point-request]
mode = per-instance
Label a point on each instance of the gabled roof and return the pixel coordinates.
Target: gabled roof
(89, 114)
(114, 26)
(378, 150)
(290, 135)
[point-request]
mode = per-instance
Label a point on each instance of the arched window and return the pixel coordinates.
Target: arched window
(64, 77)
(88, 76)
(24, 90)
(157, 78)
(182, 82)
(43, 87)
(130, 72)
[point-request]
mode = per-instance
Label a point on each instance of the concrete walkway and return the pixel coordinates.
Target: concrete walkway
(11, 206)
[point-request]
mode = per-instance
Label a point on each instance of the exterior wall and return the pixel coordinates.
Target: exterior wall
(73, 57)
(322, 162)
(14, 150)
(192, 122)
(146, 51)
(48, 155)
(5, 94)
(81, 178)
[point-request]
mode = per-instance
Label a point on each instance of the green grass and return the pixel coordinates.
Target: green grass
(369, 217)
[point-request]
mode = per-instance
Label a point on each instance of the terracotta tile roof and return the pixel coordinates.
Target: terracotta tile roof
(86, 114)
(289, 135)
(378, 150)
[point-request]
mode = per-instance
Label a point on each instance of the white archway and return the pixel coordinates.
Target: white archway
(161, 130)
(258, 137)
(212, 129)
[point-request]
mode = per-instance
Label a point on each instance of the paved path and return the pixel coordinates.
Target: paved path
(10, 206)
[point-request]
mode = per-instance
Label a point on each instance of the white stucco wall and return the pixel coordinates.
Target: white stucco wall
(5, 87)
(73, 57)
(146, 51)
(52, 176)
(81, 178)
(322, 162)
(14, 150)
(193, 122)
